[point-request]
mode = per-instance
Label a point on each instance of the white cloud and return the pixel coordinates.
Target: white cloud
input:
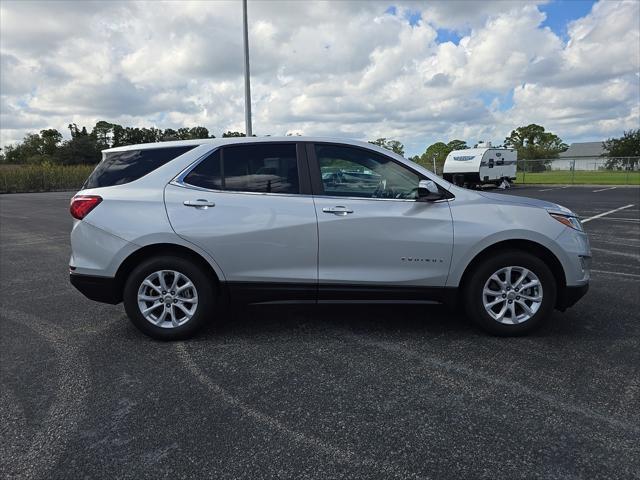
(461, 15)
(604, 44)
(325, 68)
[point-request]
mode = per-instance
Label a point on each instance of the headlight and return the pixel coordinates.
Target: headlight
(569, 221)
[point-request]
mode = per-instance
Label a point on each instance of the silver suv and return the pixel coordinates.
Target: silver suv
(176, 229)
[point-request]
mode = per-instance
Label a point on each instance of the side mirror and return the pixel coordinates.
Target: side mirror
(428, 191)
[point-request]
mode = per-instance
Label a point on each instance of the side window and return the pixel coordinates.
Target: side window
(356, 172)
(263, 168)
(118, 168)
(207, 174)
(266, 168)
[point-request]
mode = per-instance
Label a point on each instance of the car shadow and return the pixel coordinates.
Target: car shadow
(420, 320)
(256, 320)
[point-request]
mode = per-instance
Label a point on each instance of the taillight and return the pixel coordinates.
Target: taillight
(81, 205)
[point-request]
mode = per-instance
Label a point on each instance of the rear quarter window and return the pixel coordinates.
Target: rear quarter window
(261, 168)
(117, 168)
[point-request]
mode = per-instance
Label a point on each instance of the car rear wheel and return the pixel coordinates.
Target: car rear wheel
(168, 298)
(511, 293)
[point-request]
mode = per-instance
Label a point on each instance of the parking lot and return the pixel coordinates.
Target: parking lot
(318, 392)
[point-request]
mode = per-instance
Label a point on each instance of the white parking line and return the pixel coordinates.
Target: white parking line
(615, 252)
(606, 213)
(605, 189)
(627, 220)
(554, 188)
(606, 272)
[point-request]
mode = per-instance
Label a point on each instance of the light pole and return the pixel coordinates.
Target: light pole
(247, 82)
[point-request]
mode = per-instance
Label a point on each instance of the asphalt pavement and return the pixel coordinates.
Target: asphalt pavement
(317, 391)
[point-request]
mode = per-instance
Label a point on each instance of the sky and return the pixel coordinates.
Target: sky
(418, 72)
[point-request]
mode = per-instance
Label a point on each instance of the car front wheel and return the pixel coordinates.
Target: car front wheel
(511, 293)
(168, 298)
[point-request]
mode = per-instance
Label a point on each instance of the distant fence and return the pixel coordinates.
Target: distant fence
(585, 171)
(605, 171)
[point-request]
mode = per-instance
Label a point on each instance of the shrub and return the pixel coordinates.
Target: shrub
(42, 178)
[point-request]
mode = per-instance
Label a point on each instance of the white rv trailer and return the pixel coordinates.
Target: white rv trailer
(477, 166)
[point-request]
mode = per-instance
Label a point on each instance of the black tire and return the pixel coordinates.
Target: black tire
(473, 296)
(204, 286)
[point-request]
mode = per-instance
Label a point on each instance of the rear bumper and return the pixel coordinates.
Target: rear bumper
(571, 295)
(99, 289)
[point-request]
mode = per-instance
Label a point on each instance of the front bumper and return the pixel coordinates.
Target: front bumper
(570, 296)
(99, 289)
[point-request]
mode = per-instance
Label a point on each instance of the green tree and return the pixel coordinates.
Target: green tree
(626, 146)
(9, 154)
(150, 135)
(533, 142)
(34, 148)
(457, 145)
(102, 133)
(29, 151)
(81, 149)
(229, 133)
(439, 151)
(200, 132)
(393, 145)
(118, 136)
(169, 134)
(77, 132)
(190, 133)
(84, 147)
(133, 136)
(183, 133)
(50, 141)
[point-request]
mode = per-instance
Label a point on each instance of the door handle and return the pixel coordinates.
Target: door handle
(200, 203)
(339, 210)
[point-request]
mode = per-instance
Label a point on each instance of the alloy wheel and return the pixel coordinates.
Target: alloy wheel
(512, 295)
(167, 299)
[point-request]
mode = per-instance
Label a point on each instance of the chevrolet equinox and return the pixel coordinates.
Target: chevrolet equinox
(174, 230)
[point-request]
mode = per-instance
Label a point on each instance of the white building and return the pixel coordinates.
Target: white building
(581, 156)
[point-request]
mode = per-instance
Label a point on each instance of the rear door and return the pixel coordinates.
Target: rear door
(372, 231)
(249, 207)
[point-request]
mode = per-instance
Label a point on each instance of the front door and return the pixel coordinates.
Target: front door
(371, 229)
